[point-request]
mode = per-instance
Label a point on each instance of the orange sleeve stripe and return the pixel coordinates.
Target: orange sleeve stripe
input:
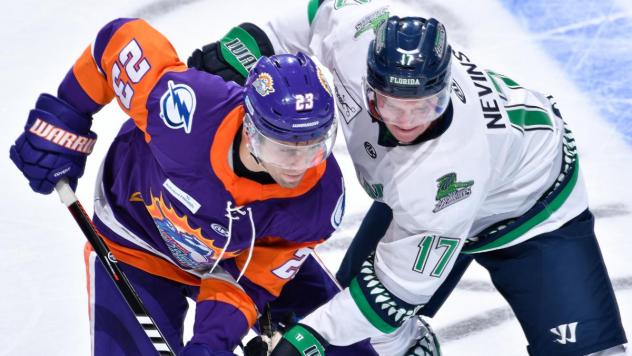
(156, 49)
(151, 263)
(272, 254)
(226, 292)
(91, 80)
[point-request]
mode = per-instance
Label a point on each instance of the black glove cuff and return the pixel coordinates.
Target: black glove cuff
(301, 340)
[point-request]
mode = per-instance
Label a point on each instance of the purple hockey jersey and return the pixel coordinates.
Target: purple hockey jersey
(168, 201)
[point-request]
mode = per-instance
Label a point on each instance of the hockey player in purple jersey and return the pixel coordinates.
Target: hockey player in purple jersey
(211, 191)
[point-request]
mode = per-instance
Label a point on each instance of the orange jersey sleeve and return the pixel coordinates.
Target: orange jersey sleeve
(125, 62)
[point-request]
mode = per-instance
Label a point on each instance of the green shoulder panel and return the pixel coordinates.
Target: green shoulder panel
(312, 8)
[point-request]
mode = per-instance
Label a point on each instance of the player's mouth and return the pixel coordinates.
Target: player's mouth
(406, 134)
(293, 176)
(405, 130)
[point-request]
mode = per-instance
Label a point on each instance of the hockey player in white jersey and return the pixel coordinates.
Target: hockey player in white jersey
(466, 161)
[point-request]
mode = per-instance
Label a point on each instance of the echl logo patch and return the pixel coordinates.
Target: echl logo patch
(177, 106)
(264, 84)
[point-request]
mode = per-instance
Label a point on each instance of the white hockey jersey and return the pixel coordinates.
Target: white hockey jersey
(502, 170)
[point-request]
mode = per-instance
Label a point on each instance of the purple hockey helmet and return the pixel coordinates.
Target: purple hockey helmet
(290, 119)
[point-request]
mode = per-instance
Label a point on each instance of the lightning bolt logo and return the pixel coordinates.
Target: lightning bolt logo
(180, 106)
(177, 106)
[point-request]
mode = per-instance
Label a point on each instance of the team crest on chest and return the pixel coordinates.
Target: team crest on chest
(264, 84)
(177, 106)
(450, 191)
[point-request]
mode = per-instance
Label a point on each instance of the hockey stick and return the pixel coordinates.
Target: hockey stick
(157, 338)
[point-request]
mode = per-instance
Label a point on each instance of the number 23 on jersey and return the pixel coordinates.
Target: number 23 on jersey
(128, 69)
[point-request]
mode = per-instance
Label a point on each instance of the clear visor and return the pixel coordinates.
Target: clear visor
(295, 156)
(407, 112)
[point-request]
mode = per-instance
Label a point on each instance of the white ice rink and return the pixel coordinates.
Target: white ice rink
(43, 299)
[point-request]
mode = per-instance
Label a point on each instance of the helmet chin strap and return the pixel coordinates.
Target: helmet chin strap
(254, 156)
(256, 159)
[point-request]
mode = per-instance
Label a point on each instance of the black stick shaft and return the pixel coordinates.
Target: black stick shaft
(118, 277)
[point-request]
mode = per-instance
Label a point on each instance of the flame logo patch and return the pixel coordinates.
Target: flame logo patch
(187, 245)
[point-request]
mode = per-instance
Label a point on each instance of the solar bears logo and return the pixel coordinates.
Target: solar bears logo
(264, 84)
(177, 106)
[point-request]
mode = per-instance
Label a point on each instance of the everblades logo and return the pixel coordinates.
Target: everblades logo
(177, 106)
(372, 21)
(449, 191)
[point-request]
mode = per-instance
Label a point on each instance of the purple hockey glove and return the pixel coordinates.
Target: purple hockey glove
(55, 143)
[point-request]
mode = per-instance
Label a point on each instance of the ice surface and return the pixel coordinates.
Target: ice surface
(578, 50)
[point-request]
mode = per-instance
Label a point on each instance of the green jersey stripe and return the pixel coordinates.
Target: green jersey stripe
(551, 208)
(366, 309)
(508, 81)
(526, 118)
